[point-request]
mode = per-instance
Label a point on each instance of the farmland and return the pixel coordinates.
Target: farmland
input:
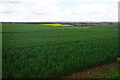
(44, 51)
(59, 25)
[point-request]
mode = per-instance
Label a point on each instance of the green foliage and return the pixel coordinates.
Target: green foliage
(37, 51)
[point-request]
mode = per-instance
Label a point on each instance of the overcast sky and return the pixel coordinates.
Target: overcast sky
(58, 10)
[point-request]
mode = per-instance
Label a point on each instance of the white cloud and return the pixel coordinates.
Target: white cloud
(51, 10)
(45, 7)
(25, 10)
(97, 12)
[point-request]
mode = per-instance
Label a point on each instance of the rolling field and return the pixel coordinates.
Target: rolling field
(43, 51)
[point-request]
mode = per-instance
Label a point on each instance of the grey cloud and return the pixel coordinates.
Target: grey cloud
(6, 12)
(11, 2)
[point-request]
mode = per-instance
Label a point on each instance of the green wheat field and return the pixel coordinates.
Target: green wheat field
(43, 51)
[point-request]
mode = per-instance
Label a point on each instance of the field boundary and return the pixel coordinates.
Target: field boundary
(0, 50)
(101, 69)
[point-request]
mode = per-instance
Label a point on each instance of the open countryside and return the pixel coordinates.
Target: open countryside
(55, 50)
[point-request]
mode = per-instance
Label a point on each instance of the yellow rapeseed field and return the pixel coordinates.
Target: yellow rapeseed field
(58, 24)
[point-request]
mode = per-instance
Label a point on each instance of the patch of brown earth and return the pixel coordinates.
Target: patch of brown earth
(90, 71)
